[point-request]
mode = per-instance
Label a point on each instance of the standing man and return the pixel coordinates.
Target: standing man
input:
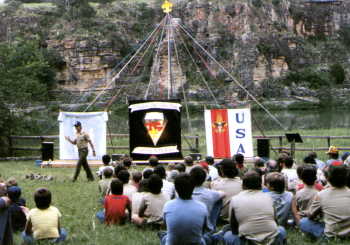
(82, 140)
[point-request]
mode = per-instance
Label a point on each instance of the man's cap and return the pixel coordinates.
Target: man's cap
(332, 150)
(14, 192)
(77, 124)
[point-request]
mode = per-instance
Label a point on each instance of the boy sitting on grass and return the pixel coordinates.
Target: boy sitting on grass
(17, 211)
(106, 159)
(115, 205)
(105, 183)
(152, 203)
(43, 222)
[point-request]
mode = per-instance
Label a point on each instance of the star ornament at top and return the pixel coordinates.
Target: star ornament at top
(167, 6)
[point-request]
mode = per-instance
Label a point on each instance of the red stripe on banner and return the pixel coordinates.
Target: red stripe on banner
(220, 133)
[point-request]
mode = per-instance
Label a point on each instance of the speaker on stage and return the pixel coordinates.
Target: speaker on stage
(47, 151)
(263, 147)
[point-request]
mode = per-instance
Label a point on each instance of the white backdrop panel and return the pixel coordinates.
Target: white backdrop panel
(94, 123)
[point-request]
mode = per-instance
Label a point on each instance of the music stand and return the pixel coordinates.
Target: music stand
(292, 139)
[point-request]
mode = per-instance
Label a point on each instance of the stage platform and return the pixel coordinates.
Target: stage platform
(92, 163)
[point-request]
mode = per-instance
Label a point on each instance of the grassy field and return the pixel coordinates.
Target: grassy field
(78, 203)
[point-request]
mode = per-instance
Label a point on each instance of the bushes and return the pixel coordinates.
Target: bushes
(338, 73)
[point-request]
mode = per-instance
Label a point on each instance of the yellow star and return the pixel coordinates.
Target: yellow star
(167, 6)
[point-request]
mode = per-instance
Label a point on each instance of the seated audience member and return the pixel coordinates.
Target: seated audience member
(333, 155)
(152, 203)
(229, 183)
(252, 215)
(105, 183)
(188, 160)
(259, 163)
(290, 174)
(119, 167)
(127, 162)
(153, 162)
(213, 171)
(185, 218)
(115, 206)
(333, 204)
(168, 187)
(211, 199)
(128, 189)
(43, 222)
(106, 159)
(147, 173)
(136, 177)
(282, 200)
(301, 185)
(239, 160)
(136, 201)
(321, 179)
(180, 167)
(271, 166)
(319, 164)
(304, 197)
(5, 217)
(172, 175)
(13, 182)
(17, 211)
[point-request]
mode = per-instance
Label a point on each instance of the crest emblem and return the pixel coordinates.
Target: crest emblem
(219, 125)
(155, 124)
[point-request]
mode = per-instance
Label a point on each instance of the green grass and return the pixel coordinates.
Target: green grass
(78, 203)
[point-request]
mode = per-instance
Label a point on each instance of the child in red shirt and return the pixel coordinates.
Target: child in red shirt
(115, 205)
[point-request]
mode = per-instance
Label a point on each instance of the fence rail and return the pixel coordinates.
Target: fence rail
(279, 146)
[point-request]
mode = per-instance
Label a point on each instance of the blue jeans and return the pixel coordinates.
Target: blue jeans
(162, 236)
(231, 239)
(29, 239)
(100, 215)
(311, 227)
(215, 214)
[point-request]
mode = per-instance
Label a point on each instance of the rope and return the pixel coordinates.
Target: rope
(233, 78)
(123, 68)
(198, 69)
(156, 58)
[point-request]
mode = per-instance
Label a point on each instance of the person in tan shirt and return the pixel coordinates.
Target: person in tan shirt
(229, 183)
(81, 141)
(252, 215)
(333, 204)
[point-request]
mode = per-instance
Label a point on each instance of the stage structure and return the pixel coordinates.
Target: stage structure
(228, 132)
(94, 123)
(155, 129)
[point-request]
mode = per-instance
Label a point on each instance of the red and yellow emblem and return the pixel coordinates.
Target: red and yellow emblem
(155, 124)
(219, 125)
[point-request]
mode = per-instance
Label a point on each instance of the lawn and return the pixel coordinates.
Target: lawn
(78, 203)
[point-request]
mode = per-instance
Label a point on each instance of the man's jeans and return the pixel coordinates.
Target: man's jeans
(311, 227)
(29, 239)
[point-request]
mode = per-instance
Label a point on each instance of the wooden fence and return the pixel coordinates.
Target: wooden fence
(18, 145)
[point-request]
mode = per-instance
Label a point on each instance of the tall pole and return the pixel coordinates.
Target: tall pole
(170, 83)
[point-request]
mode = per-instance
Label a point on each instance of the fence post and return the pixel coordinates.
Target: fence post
(197, 142)
(281, 143)
(10, 146)
(329, 141)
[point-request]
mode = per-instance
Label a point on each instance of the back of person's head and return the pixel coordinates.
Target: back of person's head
(14, 193)
(127, 162)
(155, 184)
(209, 160)
(238, 158)
(276, 182)
(153, 161)
(313, 155)
(259, 171)
(147, 173)
(124, 176)
(259, 162)
(117, 187)
(309, 160)
(118, 168)
(251, 181)
(188, 160)
(337, 176)
(309, 174)
(136, 176)
(228, 168)
(172, 175)
(180, 167)
(198, 175)
(288, 162)
(184, 186)
(300, 169)
(345, 156)
(271, 166)
(11, 182)
(160, 171)
(143, 187)
(42, 198)
(107, 173)
(106, 159)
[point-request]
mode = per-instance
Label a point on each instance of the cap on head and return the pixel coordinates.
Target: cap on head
(332, 150)
(77, 124)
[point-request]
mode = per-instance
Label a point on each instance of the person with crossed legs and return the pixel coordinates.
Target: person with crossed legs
(81, 141)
